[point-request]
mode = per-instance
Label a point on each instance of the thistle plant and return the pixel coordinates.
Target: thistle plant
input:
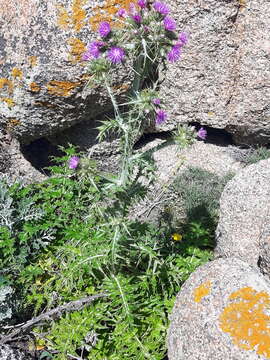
(147, 40)
(186, 135)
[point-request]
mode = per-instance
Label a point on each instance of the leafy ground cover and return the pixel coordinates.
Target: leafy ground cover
(63, 247)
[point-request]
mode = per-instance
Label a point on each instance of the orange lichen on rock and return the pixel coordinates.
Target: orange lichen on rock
(33, 61)
(34, 87)
(16, 73)
(63, 18)
(78, 14)
(202, 291)
(77, 18)
(77, 49)
(108, 12)
(12, 123)
(62, 88)
(245, 319)
(8, 101)
(6, 83)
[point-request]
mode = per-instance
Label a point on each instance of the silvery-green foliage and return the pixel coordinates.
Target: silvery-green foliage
(11, 212)
(22, 233)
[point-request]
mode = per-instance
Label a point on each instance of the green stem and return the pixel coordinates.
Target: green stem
(113, 100)
(138, 75)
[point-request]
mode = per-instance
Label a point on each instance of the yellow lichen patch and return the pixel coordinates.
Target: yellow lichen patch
(77, 49)
(246, 320)
(34, 87)
(12, 123)
(62, 88)
(8, 101)
(108, 12)
(63, 18)
(6, 83)
(33, 61)
(77, 18)
(202, 291)
(16, 73)
(78, 14)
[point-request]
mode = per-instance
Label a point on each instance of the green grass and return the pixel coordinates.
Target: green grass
(261, 153)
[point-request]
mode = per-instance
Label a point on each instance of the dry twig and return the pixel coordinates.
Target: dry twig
(50, 315)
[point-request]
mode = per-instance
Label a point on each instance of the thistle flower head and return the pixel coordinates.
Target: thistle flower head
(93, 48)
(202, 133)
(137, 18)
(122, 13)
(183, 38)
(86, 56)
(156, 101)
(115, 54)
(142, 3)
(161, 7)
(169, 23)
(174, 54)
(161, 117)
(73, 162)
(132, 9)
(104, 29)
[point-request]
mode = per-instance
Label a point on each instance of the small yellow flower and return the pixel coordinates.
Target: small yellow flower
(177, 237)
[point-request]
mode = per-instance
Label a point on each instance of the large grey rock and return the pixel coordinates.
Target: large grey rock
(221, 313)
(14, 164)
(9, 353)
(42, 78)
(243, 228)
(223, 78)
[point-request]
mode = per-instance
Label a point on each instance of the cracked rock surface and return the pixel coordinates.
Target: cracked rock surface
(243, 228)
(42, 78)
(223, 77)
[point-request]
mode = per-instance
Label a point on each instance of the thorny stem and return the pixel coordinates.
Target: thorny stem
(113, 100)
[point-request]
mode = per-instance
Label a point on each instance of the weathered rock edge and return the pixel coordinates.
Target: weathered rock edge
(221, 312)
(42, 77)
(243, 228)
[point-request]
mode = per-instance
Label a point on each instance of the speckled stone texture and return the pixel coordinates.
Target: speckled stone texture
(224, 75)
(9, 353)
(243, 228)
(221, 313)
(42, 77)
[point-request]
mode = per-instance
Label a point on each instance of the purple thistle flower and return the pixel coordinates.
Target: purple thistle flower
(156, 101)
(86, 56)
(137, 18)
(174, 54)
(183, 38)
(104, 29)
(142, 3)
(93, 48)
(132, 9)
(116, 55)
(122, 13)
(161, 8)
(202, 133)
(169, 23)
(73, 162)
(161, 117)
